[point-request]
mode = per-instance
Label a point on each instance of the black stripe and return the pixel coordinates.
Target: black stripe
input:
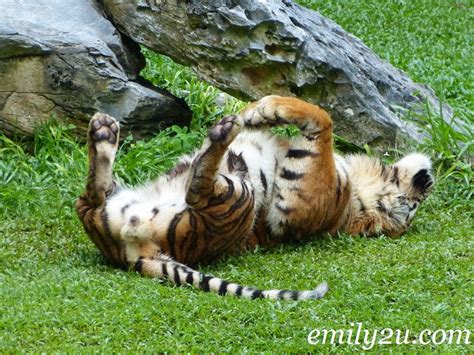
(299, 153)
(105, 221)
(264, 181)
(171, 234)
(290, 175)
(238, 291)
(124, 208)
(294, 295)
(256, 294)
(164, 270)
(362, 206)
(338, 188)
(99, 240)
(284, 210)
(176, 278)
(380, 207)
(191, 238)
(190, 278)
(204, 284)
(216, 200)
(229, 227)
(395, 179)
(384, 173)
(281, 294)
(234, 205)
(223, 288)
(280, 120)
(139, 264)
(236, 162)
(120, 251)
(127, 206)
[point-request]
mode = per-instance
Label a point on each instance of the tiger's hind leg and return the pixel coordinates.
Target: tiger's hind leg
(309, 192)
(102, 140)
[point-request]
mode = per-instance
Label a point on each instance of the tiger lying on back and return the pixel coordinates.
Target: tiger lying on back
(245, 187)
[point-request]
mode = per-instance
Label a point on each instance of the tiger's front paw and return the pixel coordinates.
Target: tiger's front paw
(226, 129)
(104, 133)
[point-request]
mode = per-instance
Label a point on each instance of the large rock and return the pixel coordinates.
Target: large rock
(63, 58)
(254, 48)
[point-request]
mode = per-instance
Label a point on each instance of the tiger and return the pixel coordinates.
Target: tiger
(246, 187)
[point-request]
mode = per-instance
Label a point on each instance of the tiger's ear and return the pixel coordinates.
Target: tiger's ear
(414, 175)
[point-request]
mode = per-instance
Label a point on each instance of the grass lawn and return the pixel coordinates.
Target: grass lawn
(57, 294)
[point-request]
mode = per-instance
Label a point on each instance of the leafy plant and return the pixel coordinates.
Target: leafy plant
(451, 146)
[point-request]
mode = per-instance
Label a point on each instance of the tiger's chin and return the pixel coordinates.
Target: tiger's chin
(141, 232)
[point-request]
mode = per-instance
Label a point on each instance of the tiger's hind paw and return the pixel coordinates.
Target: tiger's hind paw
(226, 129)
(104, 133)
(261, 113)
(277, 110)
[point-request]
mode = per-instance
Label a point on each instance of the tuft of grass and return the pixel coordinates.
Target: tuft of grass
(182, 82)
(139, 161)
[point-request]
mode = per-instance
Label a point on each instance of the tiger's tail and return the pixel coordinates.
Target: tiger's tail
(180, 274)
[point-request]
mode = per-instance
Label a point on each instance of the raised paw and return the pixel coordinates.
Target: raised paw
(104, 134)
(262, 112)
(273, 110)
(226, 129)
(103, 127)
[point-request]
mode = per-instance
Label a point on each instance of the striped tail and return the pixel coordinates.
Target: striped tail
(180, 274)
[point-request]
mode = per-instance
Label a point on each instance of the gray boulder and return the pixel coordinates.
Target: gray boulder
(254, 48)
(63, 58)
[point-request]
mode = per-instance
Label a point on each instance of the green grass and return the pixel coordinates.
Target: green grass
(57, 294)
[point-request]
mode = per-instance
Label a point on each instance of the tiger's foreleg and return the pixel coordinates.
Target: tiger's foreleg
(103, 140)
(205, 165)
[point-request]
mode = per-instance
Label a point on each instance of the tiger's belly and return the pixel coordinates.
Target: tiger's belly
(152, 220)
(261, 151)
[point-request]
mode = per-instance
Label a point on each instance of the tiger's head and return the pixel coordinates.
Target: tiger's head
(413, 174)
